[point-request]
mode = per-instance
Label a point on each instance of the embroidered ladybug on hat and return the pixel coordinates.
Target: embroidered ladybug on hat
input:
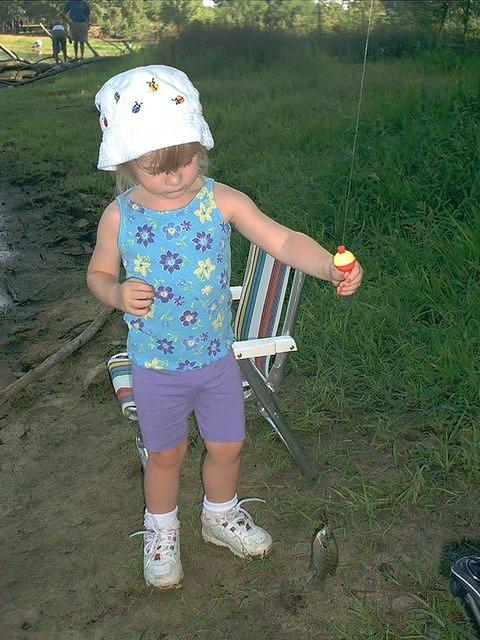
(153, 84)
(178, 99)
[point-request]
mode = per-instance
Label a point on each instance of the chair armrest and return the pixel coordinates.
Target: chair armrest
(236, 292)
(263, 347)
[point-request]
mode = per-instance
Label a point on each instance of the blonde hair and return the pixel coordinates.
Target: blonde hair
(165, 160)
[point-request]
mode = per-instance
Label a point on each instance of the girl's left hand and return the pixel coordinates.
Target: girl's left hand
(346, 283)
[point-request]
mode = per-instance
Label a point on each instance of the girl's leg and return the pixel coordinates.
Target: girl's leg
(162, 567)
(162, 478)
(221, 470)
(224, 521)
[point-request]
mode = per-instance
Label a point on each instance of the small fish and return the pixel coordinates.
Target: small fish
(324, 557)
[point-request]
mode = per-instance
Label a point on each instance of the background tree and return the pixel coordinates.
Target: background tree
(176, 15)
(354, 14)
(29, 11)
(291, 15)
(242, 13)
(422, 13)
(120, 19)
(430, 22)
(468, 9)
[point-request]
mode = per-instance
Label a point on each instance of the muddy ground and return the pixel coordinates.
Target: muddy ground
(71, 492)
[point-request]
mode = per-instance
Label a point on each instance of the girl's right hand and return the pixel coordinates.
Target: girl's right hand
(135, 297)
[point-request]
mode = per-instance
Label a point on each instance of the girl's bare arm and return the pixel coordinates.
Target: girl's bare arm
(290, 247)
(132, 296)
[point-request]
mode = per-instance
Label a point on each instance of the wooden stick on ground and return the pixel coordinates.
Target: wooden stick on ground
(11, 54)
(52, 71)
(68, 348)
(46, 30)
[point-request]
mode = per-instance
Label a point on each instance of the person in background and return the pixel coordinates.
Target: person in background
(78, 13)
(37, 46)
(59, 41)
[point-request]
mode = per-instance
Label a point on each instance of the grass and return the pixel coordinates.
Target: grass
(384, 387)
(22, 46)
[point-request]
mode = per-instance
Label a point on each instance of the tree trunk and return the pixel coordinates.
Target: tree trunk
(445, 8)
(466, 15)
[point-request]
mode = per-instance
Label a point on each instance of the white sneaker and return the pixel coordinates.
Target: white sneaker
(162, 567)
(236, 530)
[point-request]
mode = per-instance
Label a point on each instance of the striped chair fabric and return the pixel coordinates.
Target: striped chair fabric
(260, 305)
(120, 370)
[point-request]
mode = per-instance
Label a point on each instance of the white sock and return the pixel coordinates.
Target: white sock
(214, 508)
(162, 520)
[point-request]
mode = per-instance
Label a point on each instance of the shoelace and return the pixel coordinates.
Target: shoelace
(157, 541)
(239, 516)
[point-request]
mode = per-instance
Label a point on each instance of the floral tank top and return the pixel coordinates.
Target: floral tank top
(185, 255)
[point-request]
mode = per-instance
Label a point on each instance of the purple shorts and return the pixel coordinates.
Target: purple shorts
(165, 399)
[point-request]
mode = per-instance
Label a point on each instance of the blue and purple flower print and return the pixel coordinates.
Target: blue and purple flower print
(212, 307)
(138, 324)
(223, 280)
(170, 261)
(171, 231)
(187, 365)
(202, 241)
(135, 206)
(190, 343)
(165, 345)
(145, 235)
(188, 318)
(213, 347)
(164, 294)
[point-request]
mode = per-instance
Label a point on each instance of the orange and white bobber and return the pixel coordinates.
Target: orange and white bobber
(344, 260)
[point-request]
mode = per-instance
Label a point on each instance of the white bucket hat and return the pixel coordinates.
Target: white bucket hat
(146, 109)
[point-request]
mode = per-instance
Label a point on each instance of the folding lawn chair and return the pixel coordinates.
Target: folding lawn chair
(264, 299)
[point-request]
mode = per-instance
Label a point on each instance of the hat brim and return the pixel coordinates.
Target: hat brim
(115, 149)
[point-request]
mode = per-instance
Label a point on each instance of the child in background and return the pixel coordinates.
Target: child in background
(59, 41)
(37, 46)
(171, 230)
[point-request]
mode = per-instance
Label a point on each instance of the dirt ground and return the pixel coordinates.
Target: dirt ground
(71, 492)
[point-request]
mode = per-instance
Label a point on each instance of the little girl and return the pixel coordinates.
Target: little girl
(171, 230)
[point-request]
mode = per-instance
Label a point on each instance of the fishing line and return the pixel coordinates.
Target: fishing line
(349, 188)
(357, 122)
(346, 312)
